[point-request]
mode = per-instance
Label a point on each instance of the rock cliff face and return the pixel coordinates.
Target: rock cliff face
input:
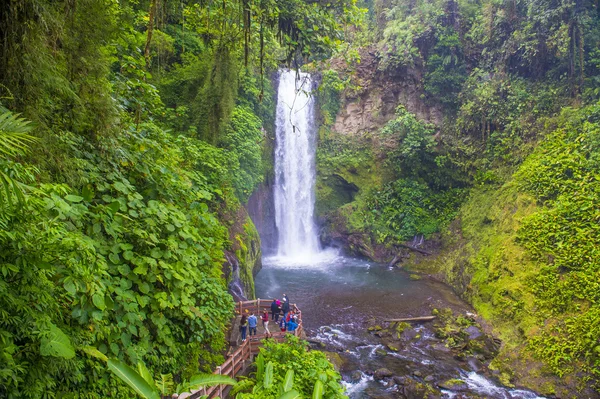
(349, 162)
(261, 208)
(243, 258)
(379, 93)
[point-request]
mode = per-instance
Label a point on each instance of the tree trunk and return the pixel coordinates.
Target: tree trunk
(149, 32)
(423, 318)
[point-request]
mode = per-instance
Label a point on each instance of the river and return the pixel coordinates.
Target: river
(341, 296)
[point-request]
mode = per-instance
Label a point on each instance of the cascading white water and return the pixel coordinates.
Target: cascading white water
(294, 190)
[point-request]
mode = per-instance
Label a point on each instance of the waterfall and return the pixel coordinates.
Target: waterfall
(294, 189)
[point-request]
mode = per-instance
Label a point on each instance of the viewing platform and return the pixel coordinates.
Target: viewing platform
(241, 353)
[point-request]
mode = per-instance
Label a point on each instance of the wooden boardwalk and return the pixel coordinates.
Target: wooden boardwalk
(242, 354)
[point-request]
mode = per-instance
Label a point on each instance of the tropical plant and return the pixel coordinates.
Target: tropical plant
(146, 387)
(289, 370)
(14, 142)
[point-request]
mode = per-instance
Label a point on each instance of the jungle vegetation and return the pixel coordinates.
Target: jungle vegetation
(504, 178)
(130, 133)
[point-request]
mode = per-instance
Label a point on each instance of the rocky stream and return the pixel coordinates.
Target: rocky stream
(345, 303)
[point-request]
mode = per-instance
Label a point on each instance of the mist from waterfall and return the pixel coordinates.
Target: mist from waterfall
(294, 189)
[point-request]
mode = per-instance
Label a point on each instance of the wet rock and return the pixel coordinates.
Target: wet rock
(315, 343)
(381, 352)
(382, 373)
(415, 390)
(473, 332)
(409, 334)
(337, 360)
(355, 376)
(454, 385)
(439, 347)
(374, 328)
(400, 380)
(429, 378)
(417, 373)
(392, 348)
(475, 364)
(382, 333)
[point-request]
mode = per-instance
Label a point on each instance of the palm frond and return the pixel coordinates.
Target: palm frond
(14, 134)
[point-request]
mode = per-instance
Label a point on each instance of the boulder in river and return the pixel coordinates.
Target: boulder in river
(454, 385)
(381, 352)
(382, 373)
(355, 376)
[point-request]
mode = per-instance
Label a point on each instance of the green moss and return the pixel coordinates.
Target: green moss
(453, 382)
(247, 251)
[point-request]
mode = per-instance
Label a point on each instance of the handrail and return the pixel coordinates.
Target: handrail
(236, 361)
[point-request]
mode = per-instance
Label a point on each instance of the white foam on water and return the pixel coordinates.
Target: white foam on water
(482, 385)
(309, 260)
(359, 386)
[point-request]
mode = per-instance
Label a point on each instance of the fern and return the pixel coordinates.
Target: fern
(14, 141)
(14, 134)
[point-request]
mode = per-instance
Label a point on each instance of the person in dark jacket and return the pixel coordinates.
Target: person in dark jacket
(285, 307)
(274, 310)
(243, 327)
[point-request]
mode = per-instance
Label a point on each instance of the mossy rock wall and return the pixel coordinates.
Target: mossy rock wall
(246, 249)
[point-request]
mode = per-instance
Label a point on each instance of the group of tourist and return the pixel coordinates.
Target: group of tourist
(286, 319)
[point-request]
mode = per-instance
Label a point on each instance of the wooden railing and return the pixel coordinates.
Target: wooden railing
(239, 359)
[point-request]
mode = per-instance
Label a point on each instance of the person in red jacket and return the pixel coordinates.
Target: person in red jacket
(265, 321)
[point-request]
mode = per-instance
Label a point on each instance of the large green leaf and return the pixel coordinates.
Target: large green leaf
(90, 350)
(57, 344)
(260, 367)
(268, 380)
(318, 391)
(288, 381)
(145, 373)
(201, 380)
(133, 379)
(290, 395)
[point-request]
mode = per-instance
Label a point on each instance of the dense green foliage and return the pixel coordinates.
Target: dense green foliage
(151, 121)
(563, 175)
(531, 246)
(309, 368)
(512, 89)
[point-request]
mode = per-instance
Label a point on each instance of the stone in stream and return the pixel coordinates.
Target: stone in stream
(454, 385)
(381, 352)
(400, 380)
(382, 373)
(474, 364)
(355, 376)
